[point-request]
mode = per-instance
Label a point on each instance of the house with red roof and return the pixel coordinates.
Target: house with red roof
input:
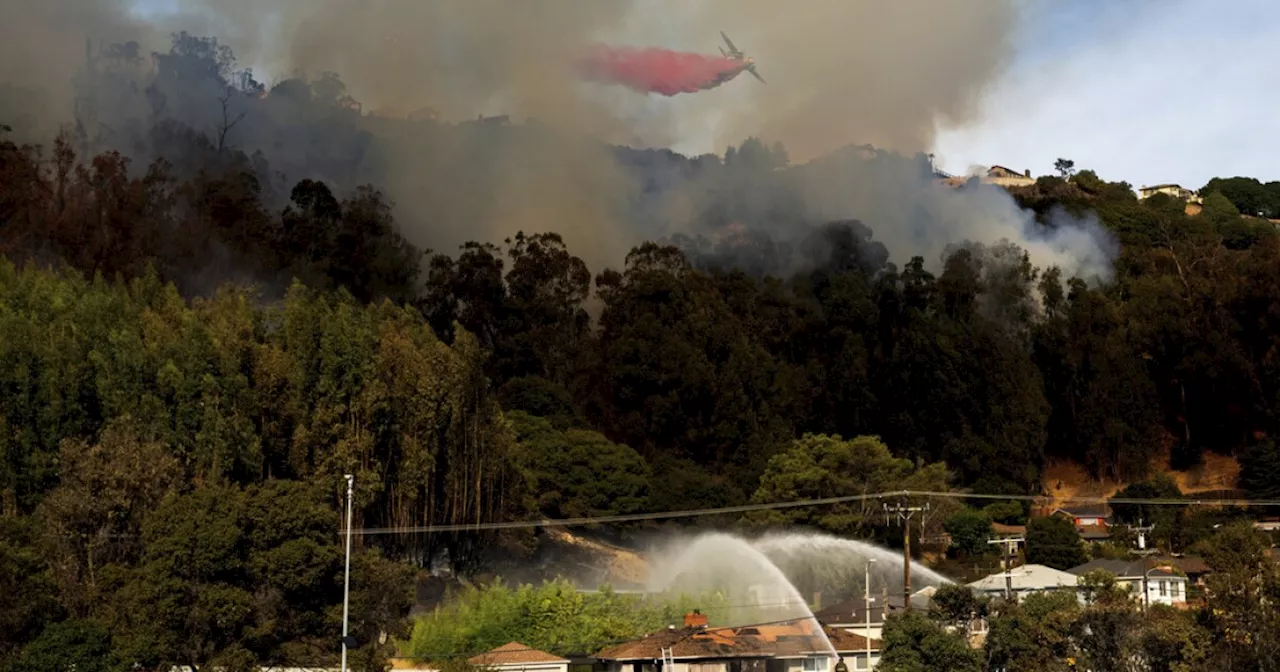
(516, 657)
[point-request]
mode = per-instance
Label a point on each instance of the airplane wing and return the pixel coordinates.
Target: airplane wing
(757, 75)
(732, 49)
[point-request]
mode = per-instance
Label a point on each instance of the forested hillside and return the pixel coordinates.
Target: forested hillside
(196, 342)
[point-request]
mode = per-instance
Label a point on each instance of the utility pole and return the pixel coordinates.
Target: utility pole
(905, 513)
(1006, 560)
(346, 585)
(1142, 537)
(867, 606)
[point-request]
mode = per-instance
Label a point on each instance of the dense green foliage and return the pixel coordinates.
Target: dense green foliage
(970, 531)
(914, 643)
(1054, 542)
(817, 467)
(553, 616)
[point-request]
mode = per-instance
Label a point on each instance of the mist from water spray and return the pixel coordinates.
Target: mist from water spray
(754, 589)
(758, 578)
(836, 567)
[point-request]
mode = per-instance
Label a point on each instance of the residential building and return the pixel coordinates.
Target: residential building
(516, 657)
(1162, 585)
(1005, 177)
(1026, 580)
(793, 646)
(851, 614)
(997, 175)
(857, 652)
(1195, 569)
(1092, 521)
(1087, 515)
(1173, 190)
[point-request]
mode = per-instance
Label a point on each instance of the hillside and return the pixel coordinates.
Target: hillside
(1216, 475)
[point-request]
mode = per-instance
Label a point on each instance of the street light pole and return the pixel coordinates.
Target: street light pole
(346, 584)
(867, 607)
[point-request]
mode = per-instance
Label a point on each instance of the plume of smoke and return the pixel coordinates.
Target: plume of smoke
(839, 73)
(915, 216)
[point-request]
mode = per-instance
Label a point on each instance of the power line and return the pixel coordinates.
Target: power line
(747, 508)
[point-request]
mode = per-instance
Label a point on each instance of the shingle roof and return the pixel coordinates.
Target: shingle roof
(1124, 569)
(792, 639)
(1001, 528)
(514, 653)
(1191, 564)
(1093, 532)
(1028, 577)
(844, 641)
(1090, 510)
(685, 643)
(853, 610)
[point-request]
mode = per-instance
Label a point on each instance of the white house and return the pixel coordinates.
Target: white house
(1025, 580)
(1163, 586)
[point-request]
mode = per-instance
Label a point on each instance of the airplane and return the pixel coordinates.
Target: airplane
(748, 63)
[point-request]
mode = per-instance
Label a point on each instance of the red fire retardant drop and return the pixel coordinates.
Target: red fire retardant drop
(656, 70)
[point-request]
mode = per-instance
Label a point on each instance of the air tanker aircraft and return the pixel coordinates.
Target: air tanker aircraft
(747, 63)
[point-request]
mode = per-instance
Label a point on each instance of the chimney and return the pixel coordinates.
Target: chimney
(695, 619)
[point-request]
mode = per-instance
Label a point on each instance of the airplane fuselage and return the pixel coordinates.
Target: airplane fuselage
(728, 75)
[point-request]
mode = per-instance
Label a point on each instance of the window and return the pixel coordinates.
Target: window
(818, 664)
(1164, 588)
(1177, 589)
(860, 663)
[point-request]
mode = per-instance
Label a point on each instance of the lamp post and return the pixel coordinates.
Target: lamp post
(867, 607)
(346, 582)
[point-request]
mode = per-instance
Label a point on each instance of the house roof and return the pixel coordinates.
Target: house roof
(1028, 577)
(1094, 510)
(1191, 564)
(1016, 173)
(1125, 569)
(1161, 186)
(853, 610)
(844, 641)
(794, 639)
(1000, 528)
(1090, 532)
(515, 653)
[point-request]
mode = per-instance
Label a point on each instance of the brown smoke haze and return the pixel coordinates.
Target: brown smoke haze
(840, 72)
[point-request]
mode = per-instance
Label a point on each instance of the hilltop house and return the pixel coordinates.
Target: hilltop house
(793, 646)
(1006, 177)
(1162, 586)
(997, 175)
(1173, 190)
(1092, 521)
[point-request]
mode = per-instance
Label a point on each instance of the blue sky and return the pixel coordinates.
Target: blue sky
(1138, 90)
